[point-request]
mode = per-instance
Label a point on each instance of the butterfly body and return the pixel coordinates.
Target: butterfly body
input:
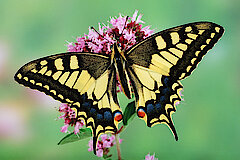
(151, 68)
(120, 63)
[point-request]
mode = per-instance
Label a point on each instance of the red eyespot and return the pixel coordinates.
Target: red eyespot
(141, 113)
(118, 116)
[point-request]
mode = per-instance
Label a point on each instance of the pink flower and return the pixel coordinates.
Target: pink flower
(99, 151)
(147, 31)
(104, 143)
(69, 119)
(149, 157)
(77, 127)
(100, 41)
(90, 145)
(64, 128)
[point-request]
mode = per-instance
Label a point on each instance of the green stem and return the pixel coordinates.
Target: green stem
(118, 146)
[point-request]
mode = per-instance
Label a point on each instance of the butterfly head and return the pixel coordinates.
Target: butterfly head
(117, 52)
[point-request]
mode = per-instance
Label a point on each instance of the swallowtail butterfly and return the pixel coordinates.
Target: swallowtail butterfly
(152, 68)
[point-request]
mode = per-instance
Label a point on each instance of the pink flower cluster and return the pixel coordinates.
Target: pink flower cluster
(69, 119)
(105, 142)
(126, 32)
(149, 157)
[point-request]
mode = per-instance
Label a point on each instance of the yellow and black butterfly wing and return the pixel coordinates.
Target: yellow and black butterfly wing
(158, 63)
(176, 52)
(156, 96)
(85, 81)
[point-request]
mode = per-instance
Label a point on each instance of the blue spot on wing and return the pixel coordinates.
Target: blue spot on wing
(92, 111)
(99, 116)
(162, 99)
(150, 108)
(166, 81)
(165, 91)
(158, 106)
(87, 104)
(107, 116)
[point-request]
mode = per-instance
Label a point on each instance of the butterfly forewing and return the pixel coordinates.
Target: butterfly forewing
(156, 65)
(176, 52)
(85, 81)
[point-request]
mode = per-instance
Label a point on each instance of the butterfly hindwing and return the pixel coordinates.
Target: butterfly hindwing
(156, 65)
(156, 96)
(85, 81)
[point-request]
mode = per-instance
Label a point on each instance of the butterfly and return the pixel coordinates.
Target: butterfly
(152, 68)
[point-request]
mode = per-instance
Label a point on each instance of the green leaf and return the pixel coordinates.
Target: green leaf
(83, 133)
(129, 113)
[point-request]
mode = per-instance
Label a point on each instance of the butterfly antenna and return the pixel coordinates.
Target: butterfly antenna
(97, 32)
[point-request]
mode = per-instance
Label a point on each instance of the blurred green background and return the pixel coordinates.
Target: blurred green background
(207, 121)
